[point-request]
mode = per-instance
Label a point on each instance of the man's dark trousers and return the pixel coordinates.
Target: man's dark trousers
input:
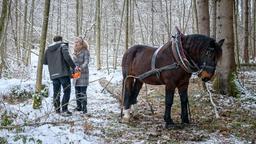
(65, 83)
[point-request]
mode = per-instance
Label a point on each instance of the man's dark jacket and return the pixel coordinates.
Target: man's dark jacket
(58, 60)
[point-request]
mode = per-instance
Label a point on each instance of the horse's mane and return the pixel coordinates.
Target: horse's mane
(199, 43)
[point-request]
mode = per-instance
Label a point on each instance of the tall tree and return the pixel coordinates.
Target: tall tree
(254, 30)
(3, 27)
(31, 18)
(168, 17)
(203, 17)
(77, 17)
(195, 17)
(225, 81)
(98, 33)
(59, 3)
(127, 19)
(235, 13)
(246, 33)
(25, 31)
(42, 45)
(213, 19)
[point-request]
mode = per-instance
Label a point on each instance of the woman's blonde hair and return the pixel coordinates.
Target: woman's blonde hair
(84, 45)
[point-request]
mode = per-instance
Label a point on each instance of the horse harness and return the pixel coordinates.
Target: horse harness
(179, 55)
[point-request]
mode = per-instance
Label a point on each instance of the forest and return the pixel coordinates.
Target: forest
(222, 110)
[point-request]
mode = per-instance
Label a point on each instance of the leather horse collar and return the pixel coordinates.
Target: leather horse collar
(178, 52)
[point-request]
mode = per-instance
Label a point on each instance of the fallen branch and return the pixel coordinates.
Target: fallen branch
(213, 104)
(107, 84)
(38, 124)
(97, 80)
(113, 89)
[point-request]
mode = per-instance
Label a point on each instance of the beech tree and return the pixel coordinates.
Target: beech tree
(226, 81)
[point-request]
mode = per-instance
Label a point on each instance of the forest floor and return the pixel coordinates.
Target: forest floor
(236, 123)
(20, 123)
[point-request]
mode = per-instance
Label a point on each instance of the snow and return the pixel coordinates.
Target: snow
(99, 104)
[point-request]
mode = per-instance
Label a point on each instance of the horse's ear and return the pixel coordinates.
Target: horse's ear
(179, 32)
(220, 43)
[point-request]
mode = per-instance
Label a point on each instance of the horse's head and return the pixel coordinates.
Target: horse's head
(209, 56)
(206, 52)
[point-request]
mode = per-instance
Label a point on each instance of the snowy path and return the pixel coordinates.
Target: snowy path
(83, 127)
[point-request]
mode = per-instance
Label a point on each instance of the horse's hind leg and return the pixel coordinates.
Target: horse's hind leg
(127, 87)
(135, 92)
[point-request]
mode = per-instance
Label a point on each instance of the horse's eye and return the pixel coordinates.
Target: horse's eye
(211, 49)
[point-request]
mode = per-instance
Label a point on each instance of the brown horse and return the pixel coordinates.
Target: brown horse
(171, 65)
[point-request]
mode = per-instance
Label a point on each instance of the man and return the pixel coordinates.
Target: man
(59, 62)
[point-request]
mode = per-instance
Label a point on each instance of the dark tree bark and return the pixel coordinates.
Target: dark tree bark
(246, 32)
(42, 45)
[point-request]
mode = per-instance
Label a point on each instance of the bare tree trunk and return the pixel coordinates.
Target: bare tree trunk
(77, 17)
(81, 18)
(168, 18)
(31, 30)
(98, 34)
(246, 33)
(115, 34)
(203, 17)
(213, 19)
(195, 17)
(152, 22)
(3, 27)
(236, 33)
(140, 22)
(127, 25)
(42, 45)
(118, 41)
(16, 37)
(254, 30)
(225, 81)
(52, 30)
(59, 17)
(24, 54)
(183, 15)
(131, 22)
(67, 20)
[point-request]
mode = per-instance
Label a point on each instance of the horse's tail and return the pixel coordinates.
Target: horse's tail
(126, 64)
(125, 73)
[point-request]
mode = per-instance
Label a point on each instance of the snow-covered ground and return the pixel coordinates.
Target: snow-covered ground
(99, 105)
(49, 127)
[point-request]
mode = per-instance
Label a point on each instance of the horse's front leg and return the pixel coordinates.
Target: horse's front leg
(168, 107)
(184, 105)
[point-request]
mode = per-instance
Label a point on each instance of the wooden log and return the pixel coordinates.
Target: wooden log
(114, 89)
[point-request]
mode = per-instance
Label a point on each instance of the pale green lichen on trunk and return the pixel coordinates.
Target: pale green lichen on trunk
(216, 84)
(234, 87)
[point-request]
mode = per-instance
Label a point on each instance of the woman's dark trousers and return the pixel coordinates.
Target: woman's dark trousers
(81, 98)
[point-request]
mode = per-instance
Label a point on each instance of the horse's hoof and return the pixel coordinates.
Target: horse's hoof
(169, 125)
(125, 120)
(185, 121)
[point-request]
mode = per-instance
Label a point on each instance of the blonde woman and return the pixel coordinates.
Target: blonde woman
(81, 58)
